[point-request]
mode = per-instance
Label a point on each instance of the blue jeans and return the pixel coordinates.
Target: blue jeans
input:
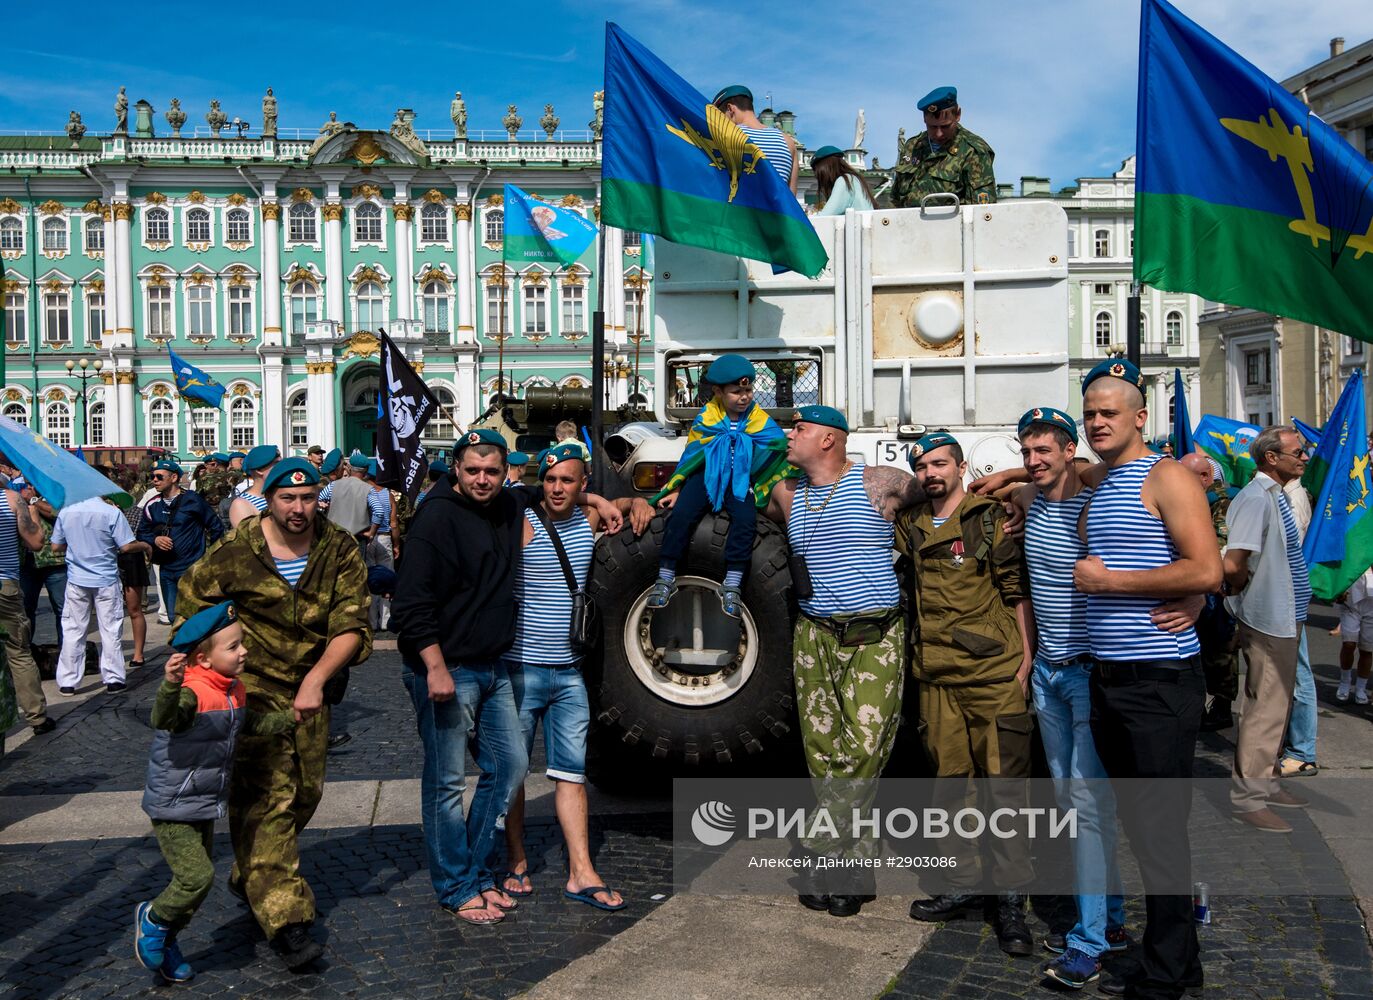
(482, 716)
(1301, 726)
(33, 581)
(555, 693)
(167, 582)
(1063, 702)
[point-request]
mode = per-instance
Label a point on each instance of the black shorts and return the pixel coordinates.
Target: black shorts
(133, 569)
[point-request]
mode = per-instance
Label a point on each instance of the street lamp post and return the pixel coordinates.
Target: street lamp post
(87, 371)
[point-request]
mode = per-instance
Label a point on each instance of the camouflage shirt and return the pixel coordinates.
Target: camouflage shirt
(1219, 498)
(285, 628)
(215, 486)
(963, 167)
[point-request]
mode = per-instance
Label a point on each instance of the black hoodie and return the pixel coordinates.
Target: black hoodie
(457, 582)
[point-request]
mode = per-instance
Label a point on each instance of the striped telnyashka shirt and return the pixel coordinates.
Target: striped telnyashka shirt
(773, 143)
(291, 569)
(543, 603)
(1052, 549)
(847, 548)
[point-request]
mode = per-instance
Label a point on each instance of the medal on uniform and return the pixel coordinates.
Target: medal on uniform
(957, 549)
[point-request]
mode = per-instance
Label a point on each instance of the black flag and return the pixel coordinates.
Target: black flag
(404, 406)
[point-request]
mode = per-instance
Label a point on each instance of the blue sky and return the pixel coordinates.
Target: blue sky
(1050, 85)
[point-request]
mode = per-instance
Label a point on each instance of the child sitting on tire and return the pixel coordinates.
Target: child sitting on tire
(732, 440)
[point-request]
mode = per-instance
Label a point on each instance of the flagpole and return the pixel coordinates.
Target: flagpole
(1132, 344)
(500, 341)
(598, 365)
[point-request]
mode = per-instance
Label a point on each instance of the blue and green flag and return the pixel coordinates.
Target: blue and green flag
(1339, 542)
(60, 477)
(1182, 424)
(675, 165)
(193, 385)
(1242, 194)
(538, 231)
(1312, 434)
(1227, 441)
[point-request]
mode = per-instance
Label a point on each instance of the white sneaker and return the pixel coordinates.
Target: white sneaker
(1361, 697)
(1342, 694)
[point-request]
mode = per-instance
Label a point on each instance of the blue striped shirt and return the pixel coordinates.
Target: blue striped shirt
(291, 569)
(379, 503)
(847, 547)
(1301, 581)
(326, 494)
(773, 143)
(543, 603)
(1052, 549)
(1125, 535)
(259, 502)
(9, 540)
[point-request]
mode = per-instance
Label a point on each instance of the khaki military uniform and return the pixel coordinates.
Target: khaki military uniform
(962, 167)
(966, 577)
(278, 779)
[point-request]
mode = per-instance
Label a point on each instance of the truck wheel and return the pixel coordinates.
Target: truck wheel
(688, 687)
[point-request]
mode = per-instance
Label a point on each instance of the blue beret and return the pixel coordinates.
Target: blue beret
(1049, 417)
(479, 435)
(735, 90)
(729, 368)
(825, 416)
(357, 459)
(290, 473)
(825, 151)
(550, 457)
(221, 457)
(235, 454)
(381, 580)
(262, 455)
(1114, 368)
(372, 468)
(167, 465)
(438, 465)
(939, 99)
(203, 624)
(517, 458)
(928, 443)
(331, 461)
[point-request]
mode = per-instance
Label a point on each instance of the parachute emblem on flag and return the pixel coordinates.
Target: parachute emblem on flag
(543, 220)
(725, 149)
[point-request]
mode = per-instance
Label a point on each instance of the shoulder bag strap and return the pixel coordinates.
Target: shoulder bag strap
(563, 561)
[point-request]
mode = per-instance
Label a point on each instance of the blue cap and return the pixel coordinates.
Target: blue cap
(261, 456)
(1114, 368)
(734, 90)
(381, 580)
(331, 461)
(1049, 417)
(479, 435)
(550, 457)
(517, 458)
(928, 443)
(939, 99)
(825, 416)
(203, 624)
(371, 468)
(235, 454)
(438, 465)
(357, 460)
(825, 151)
(167, 465)
(291, 473)
(729, 368)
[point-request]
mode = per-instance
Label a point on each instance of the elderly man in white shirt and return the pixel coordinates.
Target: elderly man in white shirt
(92, 533)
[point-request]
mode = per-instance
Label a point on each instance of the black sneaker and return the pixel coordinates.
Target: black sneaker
(946, 906)
(1012, 933)
(295, 946)
(44, 727)
(115, 687)
(67, 691)
(338, 740)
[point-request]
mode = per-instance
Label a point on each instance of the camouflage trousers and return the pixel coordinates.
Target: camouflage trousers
(849, 702)
(187, 849)
(277, 783)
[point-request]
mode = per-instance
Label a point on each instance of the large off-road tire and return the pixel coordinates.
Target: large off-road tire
(654, 711)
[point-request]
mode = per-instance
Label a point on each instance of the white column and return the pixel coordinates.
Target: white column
(112, 271)
(271, 267)
(274, 403)
(615, 285)
(127, 402)
(122, 211)
(405, 260)
(1088, 319)
(468, 391)
(319, 402)
(467, 273)
(334, 278)
(1122, 294)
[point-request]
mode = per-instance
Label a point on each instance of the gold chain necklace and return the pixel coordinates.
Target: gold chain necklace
(828, 496)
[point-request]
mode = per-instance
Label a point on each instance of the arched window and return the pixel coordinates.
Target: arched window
(495, 226)
(57, 423)
(1105, 329)
(95, 235)
(371, 306)
(160, 311)
(57, 318)
(17, 412)
(95, 316)
(242, 424)
(198, 226)
(441, 426)
(434, 304)
(304, 305)
(236, 226)
(11, 234)
(300, 221)
(200, 313)
(54, 235)
(162, 424)
(240, 311)
(433, 223)
(1172, 327)
(1172, 408)
(16, 318)
(95, 417)
(298, 417)
(1102, 243)
(367, 223)
(157, 226)
(204, 428)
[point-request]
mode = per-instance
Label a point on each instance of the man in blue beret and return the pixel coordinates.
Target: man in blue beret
(177, 524)
(235, 460)
(515, 464)
(437, 470)
(329, 465)
(251, 498)
(382, 535)
(736, 102)
(345, 499)
(945, 158)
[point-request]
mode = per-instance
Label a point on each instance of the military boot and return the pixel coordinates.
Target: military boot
(1012, 933)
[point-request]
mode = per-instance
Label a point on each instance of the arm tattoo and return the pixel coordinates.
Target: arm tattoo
(26, 524)
(889, 490)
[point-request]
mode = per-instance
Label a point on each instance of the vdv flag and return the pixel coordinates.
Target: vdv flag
(1339, 542)
(537, 231)
(1182, 424)
(404, 405)
(1242, 194)
(193, 385)
(1312, 434)
(1227, 441)
(675, 165)
(59, 476)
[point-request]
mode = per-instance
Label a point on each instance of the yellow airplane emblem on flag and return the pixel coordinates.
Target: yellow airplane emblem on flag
(1273, 137)
(1359, 473)
(726, 148)
(1226, 439)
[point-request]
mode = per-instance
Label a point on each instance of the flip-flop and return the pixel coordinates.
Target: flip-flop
(472, 922)
(497, 903)
(588, 896)
(522, 878)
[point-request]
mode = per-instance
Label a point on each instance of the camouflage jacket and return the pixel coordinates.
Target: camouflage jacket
(285, 628)
(1219, 498)
(964, 168)
(215, 486)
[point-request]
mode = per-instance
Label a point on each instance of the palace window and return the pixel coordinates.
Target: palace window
(367, 223)
(1102, 243)
(54, 235)
(1132, 253)
(57, 423)
(1101, 288)
(495, 226)
(1256, 367)
(1172, 329)
(204, 428)
(434, 305)
(573, 309)
(535, 310)
(197, 227)
(300, 226)
(200, 312)
(11, 234)
(433, 223)
(16, 318)
(95, 316)
(17, 412)
(496, 323)
(236, 226)
(1072, 242)
(162, 424)
(298, 416)
(633, 239)
(157, 226)
(440, 425)
(371, 306)
(634, 304)
(240, 311)
(96, 419)
(1105, 329)
(57, 318)
(95, 235)
(304, 303)
(242, 424)
(1353, 347)
(160, 311)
